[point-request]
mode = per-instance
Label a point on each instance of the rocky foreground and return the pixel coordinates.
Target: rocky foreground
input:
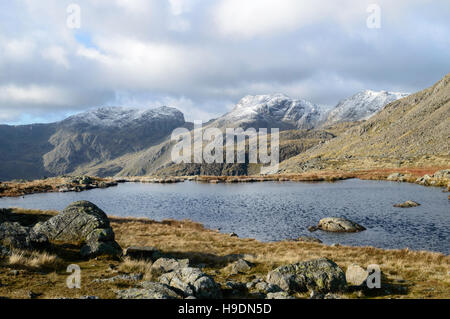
(143, 259)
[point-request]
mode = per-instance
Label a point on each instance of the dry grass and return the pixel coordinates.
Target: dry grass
(133, 266)
(34, 260)
(426, 274)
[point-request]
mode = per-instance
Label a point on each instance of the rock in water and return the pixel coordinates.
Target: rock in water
(18, 236)
(82, 222)
(407, 204)
(321, 275)
(339, 225)
(192, 282)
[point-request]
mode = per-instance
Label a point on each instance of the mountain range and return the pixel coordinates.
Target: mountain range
(119, 141)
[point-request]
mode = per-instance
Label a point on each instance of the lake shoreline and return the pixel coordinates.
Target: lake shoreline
(422, 176)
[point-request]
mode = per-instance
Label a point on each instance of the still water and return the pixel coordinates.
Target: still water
(273, 211)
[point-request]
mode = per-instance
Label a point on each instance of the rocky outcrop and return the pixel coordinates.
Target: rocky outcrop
(407, 204)
(149, 290)
(82, 222)
(192, 282)
(339, 225)
(17, 236)
(321, 275)
(399, 177)
(440, 178)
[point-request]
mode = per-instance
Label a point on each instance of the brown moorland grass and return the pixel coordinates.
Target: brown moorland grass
(424, 274)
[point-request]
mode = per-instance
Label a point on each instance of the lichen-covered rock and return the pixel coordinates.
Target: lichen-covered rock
(18, 236)
(279, 295)
(165, 265)
(149, 290)
(124, 277)
(4, 252)
(192, 282)
(339, 225)
(240, 266)
(322, 275)
(82, 222)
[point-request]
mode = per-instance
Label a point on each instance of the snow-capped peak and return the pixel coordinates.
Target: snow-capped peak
(362, 106)
(122, 116)
(273, 109)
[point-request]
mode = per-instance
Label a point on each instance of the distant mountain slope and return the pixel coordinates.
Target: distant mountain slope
(361, 106)
(407, 132)
(86, 139)
(271, 111)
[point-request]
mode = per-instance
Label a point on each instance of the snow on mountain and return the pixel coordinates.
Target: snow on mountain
(122, 116)
(274, 110)
(361, 106)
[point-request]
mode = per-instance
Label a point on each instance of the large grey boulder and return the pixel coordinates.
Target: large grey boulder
(339, 225)
(321, 275)
(192, 282)
(82, 222)
(149, 290)
(18, 236)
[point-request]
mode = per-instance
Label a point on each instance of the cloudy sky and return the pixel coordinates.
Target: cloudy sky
(202, 56)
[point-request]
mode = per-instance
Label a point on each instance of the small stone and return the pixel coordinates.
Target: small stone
(279, 295)
(240, 266)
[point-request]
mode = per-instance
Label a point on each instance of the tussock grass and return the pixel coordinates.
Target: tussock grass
(34, 260)
(144, 267)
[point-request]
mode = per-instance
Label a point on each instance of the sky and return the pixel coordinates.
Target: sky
(58, 58)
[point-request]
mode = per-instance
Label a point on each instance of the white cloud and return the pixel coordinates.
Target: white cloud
(33, 95)
(202, 55)
(57, 55)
